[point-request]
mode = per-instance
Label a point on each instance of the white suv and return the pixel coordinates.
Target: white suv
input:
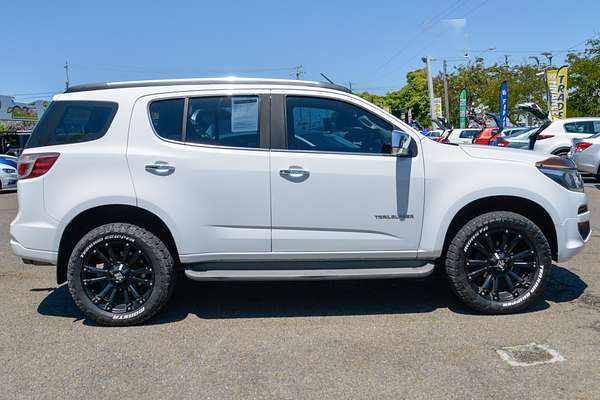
(558, 137)
(124, 184)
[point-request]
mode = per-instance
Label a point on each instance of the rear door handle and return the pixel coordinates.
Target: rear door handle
(160, 168)
(294, 172)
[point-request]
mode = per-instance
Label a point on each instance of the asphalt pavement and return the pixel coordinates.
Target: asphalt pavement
(388, 339)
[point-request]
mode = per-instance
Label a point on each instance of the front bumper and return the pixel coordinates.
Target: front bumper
(574, 233)
(9, 181)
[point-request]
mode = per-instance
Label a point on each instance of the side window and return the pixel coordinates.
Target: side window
(223, 121)
(582, 127)
(469, 133)
(167, 118)
(67, 122)
(596, 126)
(330, 125)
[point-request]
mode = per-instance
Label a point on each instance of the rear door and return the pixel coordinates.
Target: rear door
(335, 187)
(200, 161)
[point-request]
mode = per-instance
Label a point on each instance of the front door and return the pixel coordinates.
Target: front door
(336, 187)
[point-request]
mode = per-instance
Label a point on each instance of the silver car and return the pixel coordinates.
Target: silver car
(8, 172)
(586, 154)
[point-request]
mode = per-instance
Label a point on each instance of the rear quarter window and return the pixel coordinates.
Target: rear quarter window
(67, 122)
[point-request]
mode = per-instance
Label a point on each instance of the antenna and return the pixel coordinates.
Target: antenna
(67, 74)
(326, 78)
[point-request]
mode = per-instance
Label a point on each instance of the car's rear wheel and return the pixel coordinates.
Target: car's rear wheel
(499, 263)
(120, 274)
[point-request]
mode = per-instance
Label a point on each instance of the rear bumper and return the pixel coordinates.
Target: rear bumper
(586, 163)
(41, 256)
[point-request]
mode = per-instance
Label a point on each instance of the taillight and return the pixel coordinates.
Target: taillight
(581, 146)
(542, 137)
(34, 165)
(502, 143)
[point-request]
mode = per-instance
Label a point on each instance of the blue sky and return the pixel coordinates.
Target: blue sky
(371, 44)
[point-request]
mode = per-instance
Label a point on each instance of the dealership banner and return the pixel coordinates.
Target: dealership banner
(10, 110)
(463, 108)
(437, 102)
(557, 91)
(503, 104)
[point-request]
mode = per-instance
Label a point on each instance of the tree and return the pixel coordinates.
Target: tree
(413, 95)
(584, 81)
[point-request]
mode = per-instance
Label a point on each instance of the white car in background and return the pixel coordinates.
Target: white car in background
(558, 137)
(462, 135)
(8, 172)
(586, 154)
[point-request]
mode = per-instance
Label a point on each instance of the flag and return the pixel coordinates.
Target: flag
(463, 108)
(557, 91)
(503, 104)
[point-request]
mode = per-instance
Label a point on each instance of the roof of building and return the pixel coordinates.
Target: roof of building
(204, 81)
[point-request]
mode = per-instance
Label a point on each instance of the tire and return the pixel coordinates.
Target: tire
(519, 250)
(120, 274)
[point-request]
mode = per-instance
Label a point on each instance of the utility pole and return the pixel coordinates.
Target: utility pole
(506, 56)
(67, 73)
(446, 102)
(298, 71)
(427, 61)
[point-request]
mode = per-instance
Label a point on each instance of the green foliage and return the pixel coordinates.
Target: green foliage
(483, 84)
(584, 81)
(3, 128)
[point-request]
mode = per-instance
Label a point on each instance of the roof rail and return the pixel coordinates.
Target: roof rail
(204, 81)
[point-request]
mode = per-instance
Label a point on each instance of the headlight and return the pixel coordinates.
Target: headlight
(563, 172)
(9, 170)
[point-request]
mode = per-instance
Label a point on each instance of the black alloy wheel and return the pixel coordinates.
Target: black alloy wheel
(501, 264)
(117, 277)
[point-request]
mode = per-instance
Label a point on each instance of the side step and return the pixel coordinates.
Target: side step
(316, 274)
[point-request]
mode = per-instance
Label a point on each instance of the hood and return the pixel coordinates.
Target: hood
(502, 153)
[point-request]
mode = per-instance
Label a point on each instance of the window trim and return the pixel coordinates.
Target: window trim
(263, 121)
(284, 144)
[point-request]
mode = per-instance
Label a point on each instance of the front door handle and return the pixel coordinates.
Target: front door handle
(294, 172)
(160, 168)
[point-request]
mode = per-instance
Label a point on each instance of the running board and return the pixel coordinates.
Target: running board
(316, 274)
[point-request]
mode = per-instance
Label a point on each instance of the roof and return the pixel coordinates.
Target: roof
(204, 81)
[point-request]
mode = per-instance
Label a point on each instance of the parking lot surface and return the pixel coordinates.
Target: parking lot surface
(299, 340)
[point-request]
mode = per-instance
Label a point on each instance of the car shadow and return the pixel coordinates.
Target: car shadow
(227, 300)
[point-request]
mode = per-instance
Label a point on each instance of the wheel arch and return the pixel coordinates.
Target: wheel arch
(100, 215)
(520, 205)
(561, 149)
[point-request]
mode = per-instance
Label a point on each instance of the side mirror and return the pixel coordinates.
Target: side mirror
(401, 144)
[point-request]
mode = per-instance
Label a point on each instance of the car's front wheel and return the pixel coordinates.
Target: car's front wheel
(120, 274)
(499, 263)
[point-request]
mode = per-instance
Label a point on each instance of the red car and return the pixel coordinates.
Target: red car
(485, 135)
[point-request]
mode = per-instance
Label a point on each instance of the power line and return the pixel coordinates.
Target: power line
(413, 38)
